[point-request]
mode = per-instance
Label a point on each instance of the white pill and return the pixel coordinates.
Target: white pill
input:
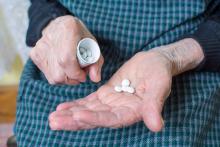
(118, 88)
(82, 50)
(84, 55)
(124, 88)
(129, 89)
(89, 53)
(89, 59)
(125, 82)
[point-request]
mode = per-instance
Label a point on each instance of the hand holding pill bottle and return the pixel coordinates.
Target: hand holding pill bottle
(67, 52)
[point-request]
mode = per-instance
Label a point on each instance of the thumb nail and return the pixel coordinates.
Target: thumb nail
(162, 121)
(99, 73)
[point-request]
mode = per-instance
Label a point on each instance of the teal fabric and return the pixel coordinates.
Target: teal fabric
(123, 28)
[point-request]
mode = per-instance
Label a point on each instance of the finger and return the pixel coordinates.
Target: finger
(47, 62)
(39, 59)
(66, 105)
(97, 118)
(152, 113)
(63, 120)
(47, 74)
(68, 60)
(95, 70)
(55, 71)
(95, 105)
(74, 107)
(86, 69)
(78, 102)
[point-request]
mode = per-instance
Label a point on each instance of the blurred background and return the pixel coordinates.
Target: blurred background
(13, 55)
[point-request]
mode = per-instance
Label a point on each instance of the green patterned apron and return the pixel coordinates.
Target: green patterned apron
(123, 28)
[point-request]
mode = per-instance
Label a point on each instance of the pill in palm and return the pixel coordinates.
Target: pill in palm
(125, 87)
(125, 82)
(129, 89)
(118, 88)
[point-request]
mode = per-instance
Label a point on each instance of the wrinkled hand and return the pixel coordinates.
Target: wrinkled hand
(150, 73)
(55, 52)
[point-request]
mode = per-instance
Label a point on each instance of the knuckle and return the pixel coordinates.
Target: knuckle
(66, 59)
(62, 61)
(57, 78)
(49, 79)
(74, 22)
(77, 73)
(71, 23)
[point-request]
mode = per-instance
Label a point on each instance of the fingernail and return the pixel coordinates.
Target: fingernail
(94, 74)
(162, 121)
(54, 125)
(99, 73)
(82, 78)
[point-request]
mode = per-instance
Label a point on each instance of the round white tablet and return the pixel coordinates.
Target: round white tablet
(118, 88)
(82, 50)
(129, 89)
(125, 82)
(89, 59)
(84, 55)
(89, 53)
(124, 88)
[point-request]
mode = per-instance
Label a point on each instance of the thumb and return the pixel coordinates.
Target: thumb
(95, 70)
(151, 113)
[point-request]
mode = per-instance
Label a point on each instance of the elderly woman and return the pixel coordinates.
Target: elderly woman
(169, 50)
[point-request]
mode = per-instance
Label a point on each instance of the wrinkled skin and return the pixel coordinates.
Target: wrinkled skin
(55, 52)
(148, 72)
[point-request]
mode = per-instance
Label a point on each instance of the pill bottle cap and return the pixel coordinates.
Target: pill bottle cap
(89, 45)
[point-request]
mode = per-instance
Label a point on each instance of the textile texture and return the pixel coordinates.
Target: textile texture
(123, 28)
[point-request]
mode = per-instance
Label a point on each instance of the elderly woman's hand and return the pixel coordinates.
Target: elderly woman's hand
(150, 73)
(55, 52)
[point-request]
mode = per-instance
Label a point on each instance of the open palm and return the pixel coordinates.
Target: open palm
(108, 108)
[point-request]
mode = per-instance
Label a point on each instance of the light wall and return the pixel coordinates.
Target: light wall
(13, 51)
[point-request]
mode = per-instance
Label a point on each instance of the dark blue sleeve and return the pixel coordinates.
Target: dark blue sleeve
(40, 13)
(208, 36)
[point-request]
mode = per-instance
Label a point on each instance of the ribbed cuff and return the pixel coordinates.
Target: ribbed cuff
(208, 36)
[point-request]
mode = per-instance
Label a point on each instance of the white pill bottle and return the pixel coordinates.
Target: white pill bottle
(88, 52)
